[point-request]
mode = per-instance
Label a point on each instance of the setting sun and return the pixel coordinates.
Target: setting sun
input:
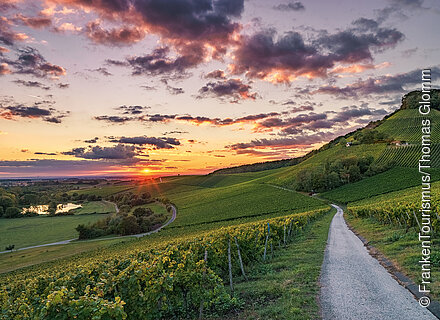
(146, 171)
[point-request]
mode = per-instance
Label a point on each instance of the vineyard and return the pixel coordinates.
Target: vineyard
(400, 208)
(408, 156)
(405, 125)
(383, 183)
(177, 279)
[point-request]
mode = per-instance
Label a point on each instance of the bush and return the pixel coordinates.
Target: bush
(12, 212)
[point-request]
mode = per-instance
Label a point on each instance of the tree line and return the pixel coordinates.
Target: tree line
(132, 218)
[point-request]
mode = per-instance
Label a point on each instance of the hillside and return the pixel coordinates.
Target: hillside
(401, 126)
(394, 141)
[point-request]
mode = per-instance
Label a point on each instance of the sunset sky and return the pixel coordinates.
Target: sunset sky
(156, 87)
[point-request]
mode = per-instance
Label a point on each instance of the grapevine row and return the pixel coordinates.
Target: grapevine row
(179, 280)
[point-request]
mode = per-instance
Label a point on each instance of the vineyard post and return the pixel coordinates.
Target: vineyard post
(417, 220)
(230, 265)
(267, 239)
(290, 229)
(284, 234)
(409, 218)
(204, 275)
(239, 259)
(398, 220)
(389, 218)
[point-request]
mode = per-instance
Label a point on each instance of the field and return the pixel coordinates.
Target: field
(30, 257)
(92, 207)
(176, 266)
(405, 125)
(24, 232)
(408, 156)
(391, 180)
(286, 176)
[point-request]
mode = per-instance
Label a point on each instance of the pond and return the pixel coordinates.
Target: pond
(43, 209)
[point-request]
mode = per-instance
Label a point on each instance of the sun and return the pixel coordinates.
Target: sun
(145, 170)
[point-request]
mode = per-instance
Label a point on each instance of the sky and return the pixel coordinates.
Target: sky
(161, 87)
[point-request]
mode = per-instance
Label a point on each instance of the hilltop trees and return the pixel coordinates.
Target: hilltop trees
(334, 174)
(128, 220)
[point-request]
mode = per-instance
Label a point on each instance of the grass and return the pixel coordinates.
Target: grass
(400, 196)
(95, 207)
(238, 201)
(30, 231)
(389, 181)
(30, 257)
(403, 249)
(286, 287)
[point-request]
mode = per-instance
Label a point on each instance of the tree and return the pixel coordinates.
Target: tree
(6, 201)
(12, 212)
(1, 211)
(354, 173)
(140, 212)
(128, 225)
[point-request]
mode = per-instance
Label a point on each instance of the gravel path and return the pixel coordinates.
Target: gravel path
(355, 286)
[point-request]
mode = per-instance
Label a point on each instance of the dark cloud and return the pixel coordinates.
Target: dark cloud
(32, 84)
(216, 74)
(6, 6)
(378, 85)
(303, 140)
(174, 90)
(17, 111)
(197, 120)
(233, 89)
(94, 140)
(291, 6)
(63, 85)
(102, 71)
(159, 143)
(281, 59)
(119, 151)
(187, 26)
(174, 132)
(116, 63)
(317, 121)
(114, 119)
(399, 8)
(30, 61)
(122, 36)
(203, 21)
(353, 112)
(159, 117)
(7, 35)
(132, 110)
(149, 88)
(37, 22)
(159, 62)
(45, 153)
